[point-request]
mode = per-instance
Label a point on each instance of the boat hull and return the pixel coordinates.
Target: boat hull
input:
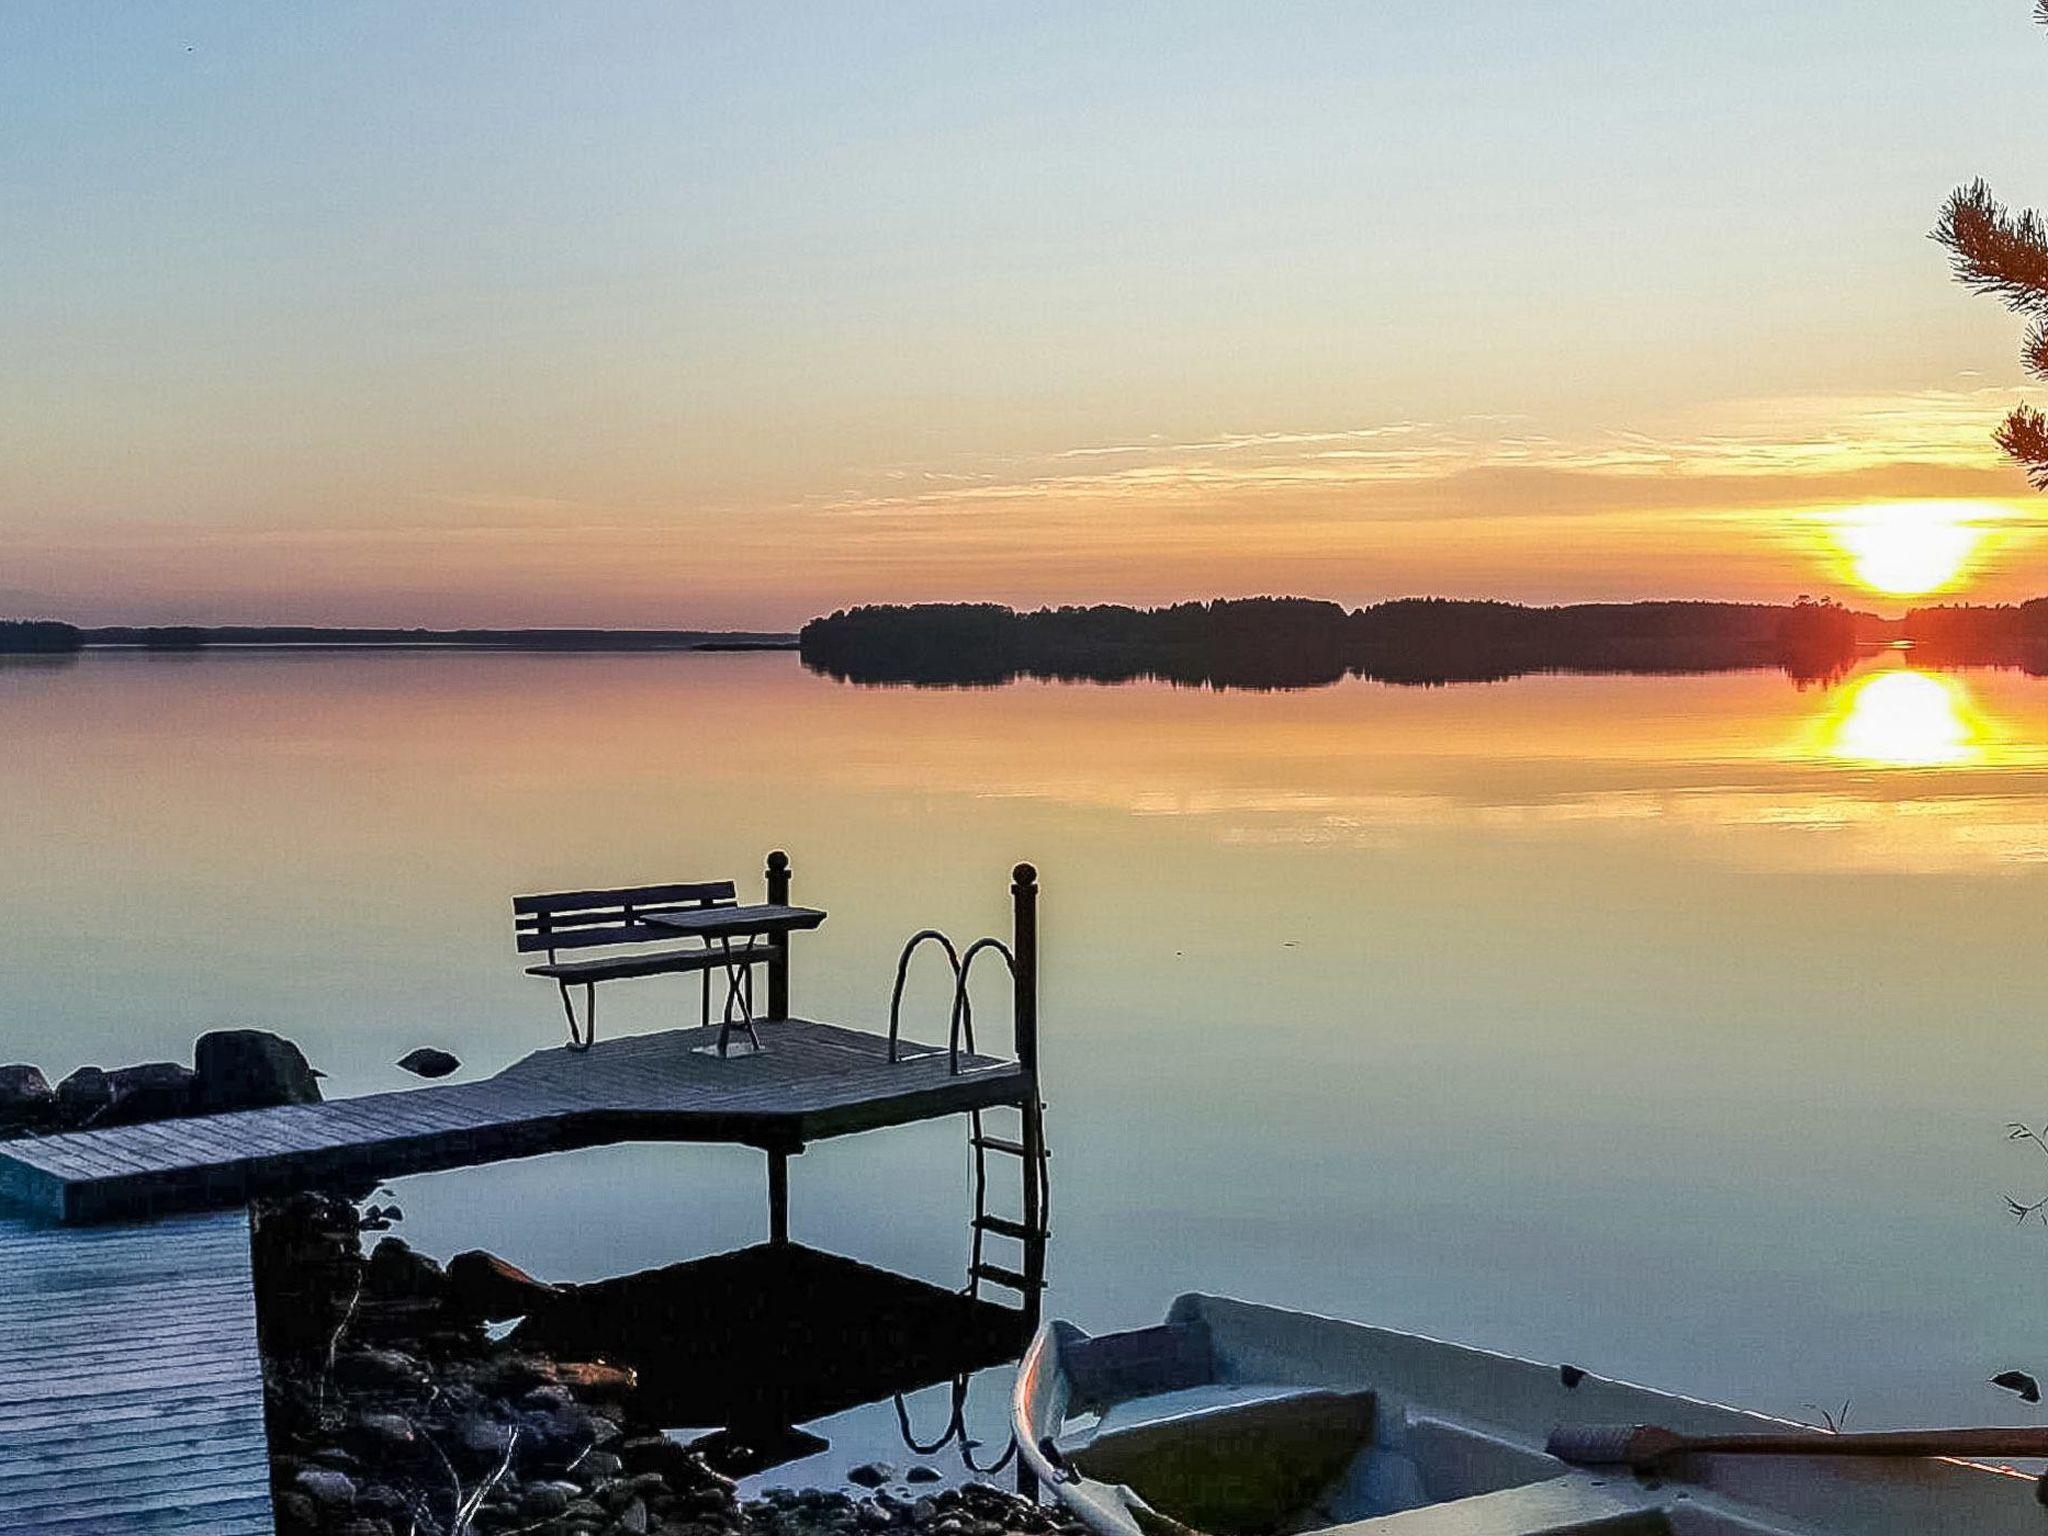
(1232, 1419)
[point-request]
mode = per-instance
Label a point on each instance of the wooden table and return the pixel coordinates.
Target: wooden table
(720, 926)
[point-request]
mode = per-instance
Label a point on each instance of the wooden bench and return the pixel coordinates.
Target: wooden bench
(615, 920)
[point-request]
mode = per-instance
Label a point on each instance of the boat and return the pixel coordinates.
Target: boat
(1234, 1419)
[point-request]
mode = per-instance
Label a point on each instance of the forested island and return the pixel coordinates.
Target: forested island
(47, 637)
(1289, 642)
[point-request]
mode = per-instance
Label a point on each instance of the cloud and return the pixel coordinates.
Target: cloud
(1778, 452)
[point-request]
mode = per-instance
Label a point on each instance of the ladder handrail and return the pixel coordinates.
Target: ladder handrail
(903, 974)
(963, 1008)
(960, 1026)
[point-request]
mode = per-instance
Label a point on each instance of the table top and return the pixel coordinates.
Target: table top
(730, 922)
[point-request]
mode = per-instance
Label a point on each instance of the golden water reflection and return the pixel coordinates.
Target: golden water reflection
(1907, 719)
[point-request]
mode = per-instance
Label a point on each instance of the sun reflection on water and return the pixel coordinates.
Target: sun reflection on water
(1907, 719)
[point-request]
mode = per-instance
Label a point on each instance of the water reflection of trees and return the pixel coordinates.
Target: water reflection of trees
(1291, 643)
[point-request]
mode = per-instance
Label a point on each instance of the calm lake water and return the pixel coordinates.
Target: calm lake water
(1664, 1025)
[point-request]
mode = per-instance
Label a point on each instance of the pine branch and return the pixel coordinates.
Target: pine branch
(2024, 437)
(2034, 350)
(1993, 250)
(2041, 12)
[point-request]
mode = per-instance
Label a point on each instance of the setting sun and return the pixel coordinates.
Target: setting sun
(1909, 548)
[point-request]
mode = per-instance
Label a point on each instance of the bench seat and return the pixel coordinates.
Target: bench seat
(661, 963)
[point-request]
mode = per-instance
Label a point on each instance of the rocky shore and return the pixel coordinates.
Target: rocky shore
(394, 1412)
(395, 1409)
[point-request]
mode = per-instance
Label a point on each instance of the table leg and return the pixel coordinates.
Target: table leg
(739, 996)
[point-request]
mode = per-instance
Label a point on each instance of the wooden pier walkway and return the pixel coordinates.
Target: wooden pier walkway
(131, 1391)
(812, 1081)
(131, 1385)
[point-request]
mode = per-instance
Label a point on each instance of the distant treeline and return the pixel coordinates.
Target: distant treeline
(2010, 635)
(45, 637)
(1286, 642)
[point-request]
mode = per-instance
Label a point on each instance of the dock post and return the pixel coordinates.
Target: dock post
(778, 965)
(778, 1195)
(1024, 945)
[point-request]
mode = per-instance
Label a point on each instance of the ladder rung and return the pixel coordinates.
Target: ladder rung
(1008, 1228)
(1001, 1276)
(998, 1144)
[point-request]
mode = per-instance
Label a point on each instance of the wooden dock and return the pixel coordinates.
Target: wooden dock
(131, 1391)
(813, 1081)
(131, 1385)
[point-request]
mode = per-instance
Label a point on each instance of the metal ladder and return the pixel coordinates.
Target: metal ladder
(1024, 1140)
(1030, 1228)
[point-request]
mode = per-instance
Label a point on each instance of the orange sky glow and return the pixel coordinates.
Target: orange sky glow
(633, 317)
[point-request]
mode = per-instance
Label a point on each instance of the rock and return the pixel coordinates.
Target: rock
(511, 1375)
(384, 1431)
(633, 1521)
(922, 1475)
(395, 1270)
(428, 1062)
(155, 1090)
(25, 1095)
(379, 1368)
(593, 1378)
(494, 1290)
(376, 1501)
(296, 1512)
(83, 1095)
(544, 1501)
(327, 1488)
(872, 1474)
(250, 1069)
(481, 1435)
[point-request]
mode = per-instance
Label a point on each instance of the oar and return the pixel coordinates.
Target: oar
(1644, 1445)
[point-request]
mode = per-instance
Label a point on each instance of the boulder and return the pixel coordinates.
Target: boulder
(594, 1378)
(494, 1290)
(546, 1500)
(250, 1069)
(155, 1090)
(25, 1096)
(379, 1368)
(383, 1432)
(331, 1490)
(428, 1062)
(83, 1094)
(395, 1270)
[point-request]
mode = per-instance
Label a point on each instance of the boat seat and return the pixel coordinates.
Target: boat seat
(1581, 1502)
(1231, 1461)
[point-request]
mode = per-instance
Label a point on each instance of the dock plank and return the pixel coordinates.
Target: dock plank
(131, 1390)
(813, 1081)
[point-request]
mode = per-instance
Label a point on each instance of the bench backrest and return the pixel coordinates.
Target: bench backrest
(585, 919)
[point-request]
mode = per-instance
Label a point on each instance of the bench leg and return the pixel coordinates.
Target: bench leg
(581, 1039)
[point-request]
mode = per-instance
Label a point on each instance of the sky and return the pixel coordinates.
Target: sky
(726, 316)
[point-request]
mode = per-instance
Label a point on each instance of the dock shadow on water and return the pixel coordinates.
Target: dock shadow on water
(752, 1345)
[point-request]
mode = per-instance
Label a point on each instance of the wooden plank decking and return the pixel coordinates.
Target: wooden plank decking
(131, 1391)
(811, 1082)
